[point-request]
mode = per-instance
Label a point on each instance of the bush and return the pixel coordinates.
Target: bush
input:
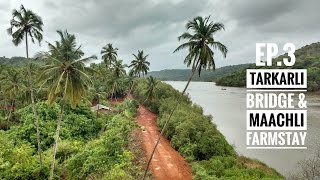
(104, 155)
(76, 124)
(19, 162)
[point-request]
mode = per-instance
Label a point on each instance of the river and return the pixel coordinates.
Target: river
(228, 108)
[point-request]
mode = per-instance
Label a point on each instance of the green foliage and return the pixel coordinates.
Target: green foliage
(81, 153)
(106, 155)
(15, 61)
(77, 124)
(162, 91)
(201, 43)
(228, 168)
(197, 138)
(109, 54)
(128, 108)
(140, 65)
(192, 133)
(19, 161)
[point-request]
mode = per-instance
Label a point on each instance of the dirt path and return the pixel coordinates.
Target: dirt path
(167, 163)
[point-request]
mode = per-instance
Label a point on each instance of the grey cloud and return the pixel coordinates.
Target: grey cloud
(154, 25)
(251, 12)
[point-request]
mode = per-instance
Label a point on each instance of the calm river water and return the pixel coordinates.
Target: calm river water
(228, 108)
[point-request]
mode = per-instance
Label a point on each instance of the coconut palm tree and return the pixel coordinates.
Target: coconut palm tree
(109, 54)
(140, 65)
(151, 85)
(130, 81)
(66, 77)
(13, 87)
(118, 69)
(200, 44)
(26, 23)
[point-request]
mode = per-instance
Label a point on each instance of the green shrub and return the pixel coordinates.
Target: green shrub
(105, 154)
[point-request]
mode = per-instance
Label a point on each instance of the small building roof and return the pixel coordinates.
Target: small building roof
(100, 107)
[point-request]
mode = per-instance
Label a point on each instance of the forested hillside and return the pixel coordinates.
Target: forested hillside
(307, 57)
(15, 61)
(184, 74)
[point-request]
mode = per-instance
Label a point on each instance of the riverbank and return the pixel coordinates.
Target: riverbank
(197, 139)
(219, 103)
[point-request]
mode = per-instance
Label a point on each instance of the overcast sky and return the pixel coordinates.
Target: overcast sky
(154, 25)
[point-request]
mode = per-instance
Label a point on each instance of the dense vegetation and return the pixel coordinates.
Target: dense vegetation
(90, 147)
(48, 131)
(197, 138)
(15, 61)
(307, 57)
(206, 75)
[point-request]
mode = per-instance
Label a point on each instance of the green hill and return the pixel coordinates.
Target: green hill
(18, 61)
(206, 75)
(307, 57)
(14, 61)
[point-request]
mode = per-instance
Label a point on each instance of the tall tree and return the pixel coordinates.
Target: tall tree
(200, 44)
(140, 65)
(109, 54)
(66, 77)
(13, 88)
(26, 23)
(118, 69)
(151, 85)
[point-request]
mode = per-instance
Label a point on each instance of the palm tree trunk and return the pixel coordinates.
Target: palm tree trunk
(27, 50)
(55, 146)
(9, 115)
(11, 110)
(33, 105)
(166, 123)
(130, 90)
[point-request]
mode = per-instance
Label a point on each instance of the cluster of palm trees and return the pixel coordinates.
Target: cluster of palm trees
(66, 76)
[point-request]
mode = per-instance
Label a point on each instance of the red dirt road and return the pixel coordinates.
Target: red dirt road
(167, 163)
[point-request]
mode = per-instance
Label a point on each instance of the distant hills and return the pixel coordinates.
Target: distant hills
(206, 75)
(14, 61)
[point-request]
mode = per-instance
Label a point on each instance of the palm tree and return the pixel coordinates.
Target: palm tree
(151, 85)
(140, 65)
(118, 69)
(13, 87)
(130, 81)
(109, 54)
(66, 77)
(201, 56)
(26, 23)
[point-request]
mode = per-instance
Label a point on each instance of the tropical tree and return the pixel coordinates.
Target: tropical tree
(200, 44)
(140, 65)
(26, 23)
(118, 69)
(65, 77)
(109, 54)
(151, 85)
(130, 81)
(12, 87)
